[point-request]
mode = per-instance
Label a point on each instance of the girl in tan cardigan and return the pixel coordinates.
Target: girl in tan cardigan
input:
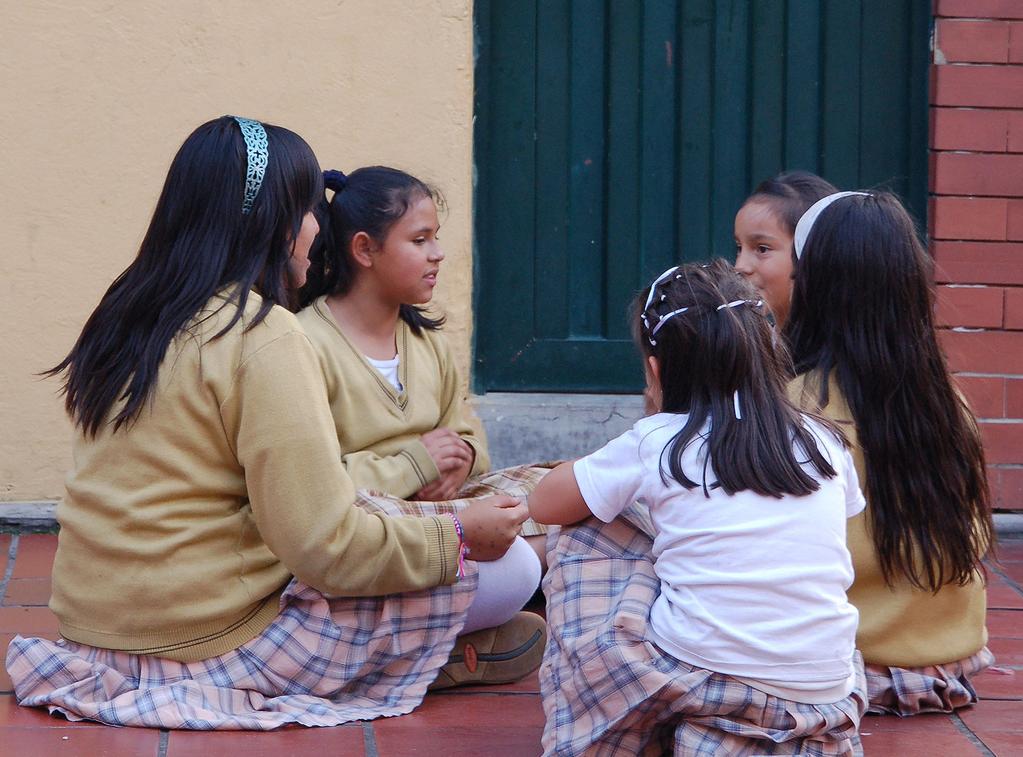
(861, 332)
(392, 385)
(212, 570)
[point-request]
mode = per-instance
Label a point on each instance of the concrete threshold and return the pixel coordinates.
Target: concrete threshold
(28, 517)
(523, 428)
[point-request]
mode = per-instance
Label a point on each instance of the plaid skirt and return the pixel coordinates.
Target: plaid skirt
(607, 690)
(322, 662)
(935, 688)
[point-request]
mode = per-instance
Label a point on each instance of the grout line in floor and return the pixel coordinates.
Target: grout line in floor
(12, 553)
(971, 736)
(369, 740)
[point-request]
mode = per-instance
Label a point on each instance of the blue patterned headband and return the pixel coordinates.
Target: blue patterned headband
(257, 153)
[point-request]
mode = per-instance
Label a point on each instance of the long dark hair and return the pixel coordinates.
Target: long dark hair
(370, 200)
(722, 345)
(862, 307)
(791, 194)
(199, 242)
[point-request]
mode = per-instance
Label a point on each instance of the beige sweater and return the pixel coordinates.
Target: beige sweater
(179, 533)
(379, 427)
(900, 625)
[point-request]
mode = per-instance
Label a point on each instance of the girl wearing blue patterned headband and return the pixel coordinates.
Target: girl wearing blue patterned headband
(726, 583)
(392, 384)
(210, 534)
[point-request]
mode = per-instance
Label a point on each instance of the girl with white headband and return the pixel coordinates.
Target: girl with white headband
(213, 571)
(861, 331)
(711, 617)
(764, 230)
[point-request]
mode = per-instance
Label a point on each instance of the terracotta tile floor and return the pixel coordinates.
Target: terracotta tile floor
(497, 720)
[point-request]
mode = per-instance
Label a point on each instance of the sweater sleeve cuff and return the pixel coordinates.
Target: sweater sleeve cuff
(481, 460)
(423, 466)
(444, 551)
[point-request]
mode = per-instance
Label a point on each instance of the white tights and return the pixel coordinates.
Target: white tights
(505, 586)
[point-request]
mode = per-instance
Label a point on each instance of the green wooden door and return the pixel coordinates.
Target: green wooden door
(616, 137)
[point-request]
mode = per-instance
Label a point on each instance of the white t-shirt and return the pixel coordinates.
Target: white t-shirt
(751, 586)
(388, 369)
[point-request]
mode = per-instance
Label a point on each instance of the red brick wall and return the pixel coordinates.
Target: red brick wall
(976, 218)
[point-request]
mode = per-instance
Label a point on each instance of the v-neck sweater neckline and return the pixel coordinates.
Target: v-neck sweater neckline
(399, 398)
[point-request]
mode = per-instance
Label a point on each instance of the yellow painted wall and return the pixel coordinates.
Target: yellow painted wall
(97, 97)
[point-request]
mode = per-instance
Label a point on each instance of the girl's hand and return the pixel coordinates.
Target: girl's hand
(491, 524)
(447, 449)
(446, 487)
(450, 482)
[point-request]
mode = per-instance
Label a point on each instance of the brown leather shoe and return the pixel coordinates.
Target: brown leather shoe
(495, 655)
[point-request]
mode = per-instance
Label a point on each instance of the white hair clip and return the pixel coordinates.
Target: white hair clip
(732, 304)
(650, 298)
(661, 320)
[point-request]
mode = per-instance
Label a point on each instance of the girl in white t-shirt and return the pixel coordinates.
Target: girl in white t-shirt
(736, 632)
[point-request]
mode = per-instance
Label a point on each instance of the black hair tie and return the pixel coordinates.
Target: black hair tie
(334, 180)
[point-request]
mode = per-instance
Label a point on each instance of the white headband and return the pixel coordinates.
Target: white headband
(810, 217)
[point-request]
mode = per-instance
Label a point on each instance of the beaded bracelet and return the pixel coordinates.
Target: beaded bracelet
(463, 548)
